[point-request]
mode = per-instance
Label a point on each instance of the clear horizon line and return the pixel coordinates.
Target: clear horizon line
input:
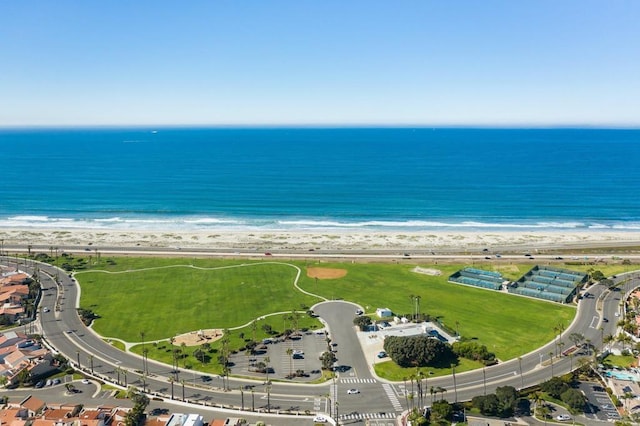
(602, 126)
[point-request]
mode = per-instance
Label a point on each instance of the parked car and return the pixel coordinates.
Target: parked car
(563, 417)
(382, 354)
(359, 312)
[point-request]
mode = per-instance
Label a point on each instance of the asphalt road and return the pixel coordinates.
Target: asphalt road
(65, 332)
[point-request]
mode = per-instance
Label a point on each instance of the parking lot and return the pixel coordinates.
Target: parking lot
(304, 361)
(599, 405)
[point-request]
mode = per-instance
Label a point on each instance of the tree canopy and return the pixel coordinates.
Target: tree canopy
(418, 351)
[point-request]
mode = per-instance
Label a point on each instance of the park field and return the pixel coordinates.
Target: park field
(166, 297)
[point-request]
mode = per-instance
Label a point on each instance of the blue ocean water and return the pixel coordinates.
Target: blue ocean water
(306, 178)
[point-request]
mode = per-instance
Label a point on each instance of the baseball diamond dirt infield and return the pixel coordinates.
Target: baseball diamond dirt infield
(326, 273)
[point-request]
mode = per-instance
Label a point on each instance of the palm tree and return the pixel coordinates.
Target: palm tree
(268, 398)
(540, 407)
(412, 377)
(290, 354)
(406, 397)
(551, 359)
(608, 339)
(295, 317)
(254, 328)
(183, 346)
(171, 381)
(175, 353)
(144, 367)
(413, 308)
(455, 387)
(419, 376)
(267, 360)
(145, 356)
(432, 391)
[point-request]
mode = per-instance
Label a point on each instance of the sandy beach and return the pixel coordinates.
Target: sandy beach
(336, 241)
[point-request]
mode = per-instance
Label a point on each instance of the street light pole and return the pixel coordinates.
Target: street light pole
(484, 380)
(268, 398)
(455, 386)
(521, 378)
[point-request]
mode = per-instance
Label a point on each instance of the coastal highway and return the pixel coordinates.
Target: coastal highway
(65, 332)
(507, 254)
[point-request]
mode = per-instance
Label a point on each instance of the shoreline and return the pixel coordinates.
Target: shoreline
(304, 241)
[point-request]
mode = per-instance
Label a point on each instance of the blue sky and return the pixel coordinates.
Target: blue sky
(543, 62)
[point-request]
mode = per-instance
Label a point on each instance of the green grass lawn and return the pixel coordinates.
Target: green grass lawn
(622, 361)
(167, 301)
(508, 325)
(391, 371)
(163, 299)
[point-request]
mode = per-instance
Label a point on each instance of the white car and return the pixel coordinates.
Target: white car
(320, 419)
(45, 309)
(85, 381)
(352, 391)
(563, 417)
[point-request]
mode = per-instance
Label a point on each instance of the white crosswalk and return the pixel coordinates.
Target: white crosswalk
(362, 416)
(388, 389)
(356, 380)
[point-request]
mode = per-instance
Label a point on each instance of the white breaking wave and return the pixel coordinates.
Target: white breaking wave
(194, 223)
